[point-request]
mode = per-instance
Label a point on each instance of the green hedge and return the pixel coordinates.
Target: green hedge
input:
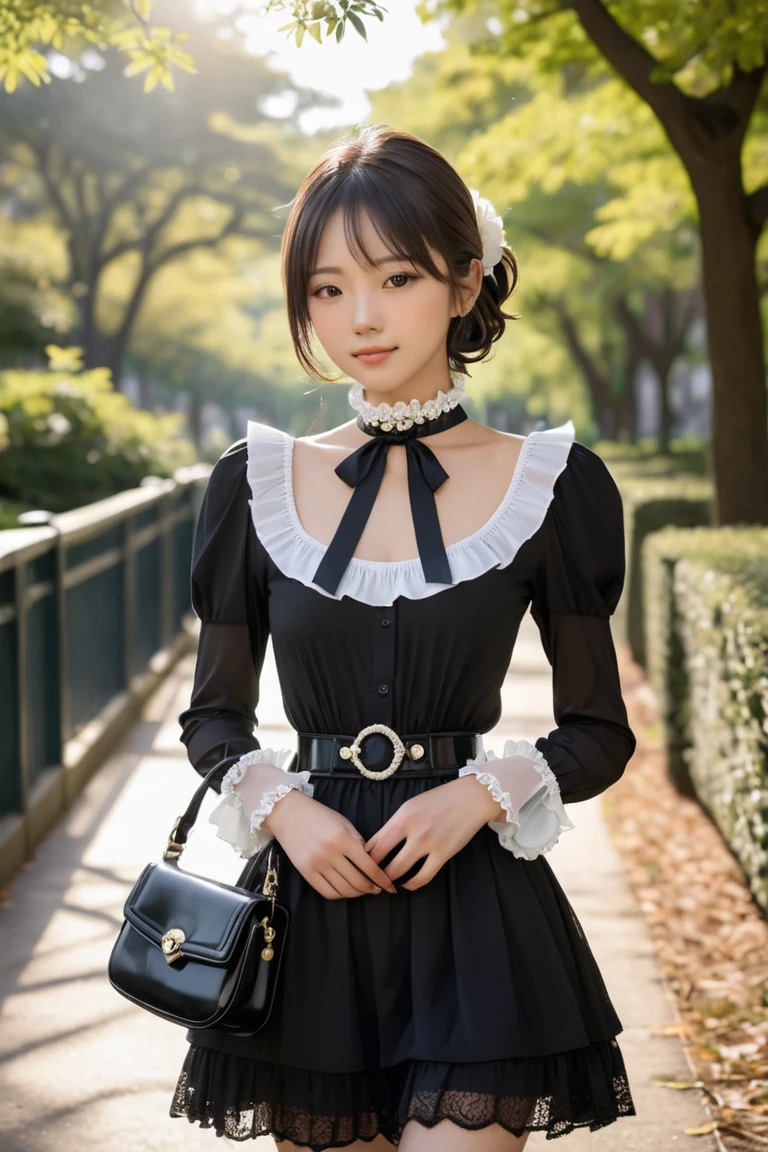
(68, 439)
(706, 614)
(657, 489)
(688, 456)
(650, 506)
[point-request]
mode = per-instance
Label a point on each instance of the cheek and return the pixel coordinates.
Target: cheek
(322, 322)
(428, 314)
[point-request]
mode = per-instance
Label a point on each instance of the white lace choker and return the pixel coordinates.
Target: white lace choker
(401, 415)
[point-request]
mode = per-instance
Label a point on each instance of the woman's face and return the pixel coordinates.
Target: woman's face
(397, 306)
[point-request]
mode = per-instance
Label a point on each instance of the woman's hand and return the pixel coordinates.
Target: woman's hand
(436, 825)
(325, 847)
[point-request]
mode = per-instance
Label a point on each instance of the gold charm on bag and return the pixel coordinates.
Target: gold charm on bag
(269, 888)
(268, 952)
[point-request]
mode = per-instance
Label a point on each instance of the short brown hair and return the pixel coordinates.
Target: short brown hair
(414, 197)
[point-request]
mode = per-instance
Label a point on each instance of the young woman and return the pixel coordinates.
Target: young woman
(437, 990)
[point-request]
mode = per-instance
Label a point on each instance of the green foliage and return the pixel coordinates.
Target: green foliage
(67, 25)
(309, 15)
(698, 44)
(651, 504)
(67, 438)
(707, 612)
(71, 25)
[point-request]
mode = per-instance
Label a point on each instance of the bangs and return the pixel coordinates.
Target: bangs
(400, 221)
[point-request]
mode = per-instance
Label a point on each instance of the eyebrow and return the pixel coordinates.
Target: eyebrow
(378, 263)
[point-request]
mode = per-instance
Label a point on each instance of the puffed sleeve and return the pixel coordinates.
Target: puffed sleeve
(578, 580)
(229, 596)
(578, 585)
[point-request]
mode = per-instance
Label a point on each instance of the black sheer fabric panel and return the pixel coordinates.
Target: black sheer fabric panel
(219, 723)
(593, 742)
(579, 580)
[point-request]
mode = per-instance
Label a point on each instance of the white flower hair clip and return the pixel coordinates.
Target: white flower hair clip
(491, 228)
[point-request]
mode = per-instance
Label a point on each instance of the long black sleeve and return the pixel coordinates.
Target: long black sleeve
(579, 579)
(229, 598)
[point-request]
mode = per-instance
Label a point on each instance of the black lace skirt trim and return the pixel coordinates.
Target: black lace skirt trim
(243, 1098)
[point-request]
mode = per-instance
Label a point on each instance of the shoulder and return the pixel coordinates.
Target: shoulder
(586, 484)
(584, 548)
(228, 476)
(232, 460)
(233, 457)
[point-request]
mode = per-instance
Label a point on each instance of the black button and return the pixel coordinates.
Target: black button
(385, 621)
(383, 689)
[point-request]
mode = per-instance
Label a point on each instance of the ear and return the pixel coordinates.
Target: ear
(470, 287)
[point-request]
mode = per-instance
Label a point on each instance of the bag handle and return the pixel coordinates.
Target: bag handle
(184, 823)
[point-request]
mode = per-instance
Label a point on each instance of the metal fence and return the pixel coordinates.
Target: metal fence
(91, 615)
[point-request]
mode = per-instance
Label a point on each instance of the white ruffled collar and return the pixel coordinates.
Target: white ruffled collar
(543, 456)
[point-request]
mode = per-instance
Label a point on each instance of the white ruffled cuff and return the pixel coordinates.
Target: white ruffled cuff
(534, 810)
(240, 813)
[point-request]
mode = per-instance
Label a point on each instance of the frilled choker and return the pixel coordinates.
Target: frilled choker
(364, 469)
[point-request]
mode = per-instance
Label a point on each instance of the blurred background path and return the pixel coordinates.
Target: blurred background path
(90, 1071)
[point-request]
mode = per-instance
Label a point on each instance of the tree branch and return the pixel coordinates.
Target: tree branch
(756, 204)
(629, 58)
(146, 242)
(743, 92)
(184, 246)
(120, 195)
(43, 153)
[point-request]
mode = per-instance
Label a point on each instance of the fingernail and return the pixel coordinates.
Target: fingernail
(376, 891)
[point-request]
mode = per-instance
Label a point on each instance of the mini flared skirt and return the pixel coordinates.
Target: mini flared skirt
(475, 998)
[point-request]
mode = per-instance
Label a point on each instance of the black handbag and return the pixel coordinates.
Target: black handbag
(198, 952)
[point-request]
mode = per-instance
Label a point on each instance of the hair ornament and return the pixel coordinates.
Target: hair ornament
(491, 228)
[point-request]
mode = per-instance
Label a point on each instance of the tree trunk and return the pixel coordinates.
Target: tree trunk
(735, 342)
(665, 412)
(627, 410)
(106, 350)
(145, 391)
(595, 374)
(195, 419)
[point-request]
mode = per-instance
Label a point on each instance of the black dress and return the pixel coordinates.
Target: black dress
(475, 997)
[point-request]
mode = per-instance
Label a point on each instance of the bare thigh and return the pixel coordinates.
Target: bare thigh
(449, 1137)
(379, 1144)
(444, 1137)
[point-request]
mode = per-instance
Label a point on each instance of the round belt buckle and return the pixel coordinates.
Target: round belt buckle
(352, 752)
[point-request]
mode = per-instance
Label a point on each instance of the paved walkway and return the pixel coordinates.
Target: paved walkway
(81, 1068)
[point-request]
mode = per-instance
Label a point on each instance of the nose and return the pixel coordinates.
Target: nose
(366, 313)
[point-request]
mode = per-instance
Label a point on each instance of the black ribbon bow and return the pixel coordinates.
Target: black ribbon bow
(364, 470)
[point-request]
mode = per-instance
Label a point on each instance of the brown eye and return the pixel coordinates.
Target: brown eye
(403, 276)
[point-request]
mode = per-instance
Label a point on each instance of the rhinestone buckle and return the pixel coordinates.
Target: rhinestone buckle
(352, 752)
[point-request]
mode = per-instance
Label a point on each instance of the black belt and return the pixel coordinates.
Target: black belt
(422, 755)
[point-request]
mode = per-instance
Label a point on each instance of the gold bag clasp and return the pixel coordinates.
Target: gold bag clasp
(171, 944)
